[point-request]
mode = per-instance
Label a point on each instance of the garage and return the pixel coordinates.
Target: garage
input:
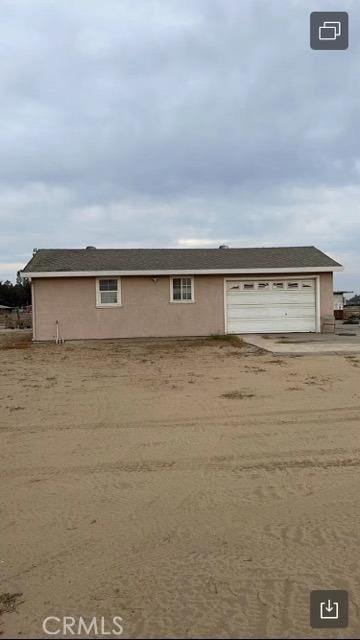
(270, 306)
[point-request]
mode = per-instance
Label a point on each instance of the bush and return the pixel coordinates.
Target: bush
(352, 320)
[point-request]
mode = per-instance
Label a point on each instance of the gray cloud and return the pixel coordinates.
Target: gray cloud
(176, 123)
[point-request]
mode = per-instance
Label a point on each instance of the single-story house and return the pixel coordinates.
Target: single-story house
(128, 293)
(339, 303)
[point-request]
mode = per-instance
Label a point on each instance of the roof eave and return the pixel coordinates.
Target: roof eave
(170, 272)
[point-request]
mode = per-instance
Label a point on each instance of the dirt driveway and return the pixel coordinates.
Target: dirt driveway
(194, 488)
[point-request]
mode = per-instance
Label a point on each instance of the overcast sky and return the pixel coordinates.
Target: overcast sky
(177, 123)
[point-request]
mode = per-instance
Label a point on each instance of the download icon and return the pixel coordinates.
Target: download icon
(329, 610)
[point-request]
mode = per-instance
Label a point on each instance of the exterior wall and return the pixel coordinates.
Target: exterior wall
(146, 309)
(326, 301)
(338, 301)
(338, 306)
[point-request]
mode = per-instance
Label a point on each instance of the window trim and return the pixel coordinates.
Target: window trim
(192, 300)
(107, 305)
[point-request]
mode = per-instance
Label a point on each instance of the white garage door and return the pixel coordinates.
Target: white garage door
(270, 306)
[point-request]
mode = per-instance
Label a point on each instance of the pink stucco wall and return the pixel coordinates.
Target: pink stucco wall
(326, 295)
(146, 309)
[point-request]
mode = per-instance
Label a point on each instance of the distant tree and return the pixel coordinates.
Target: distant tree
(354, 300)
(15, 295)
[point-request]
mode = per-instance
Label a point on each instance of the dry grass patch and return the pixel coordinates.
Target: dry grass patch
(15, 340)
(9, 602)
(235, 341)
(354, 361)
(237, 395)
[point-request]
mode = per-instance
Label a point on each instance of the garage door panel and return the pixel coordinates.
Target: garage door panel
(286, 326)
(291, 311)
(268, 304)
(270, 307)
(261, 298)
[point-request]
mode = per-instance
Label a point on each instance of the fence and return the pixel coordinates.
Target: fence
(17, 319)
(352, 310)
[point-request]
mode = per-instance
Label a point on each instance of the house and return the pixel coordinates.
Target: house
(128, 293)
(339, 298)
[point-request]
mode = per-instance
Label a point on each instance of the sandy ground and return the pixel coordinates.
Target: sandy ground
(196, 489)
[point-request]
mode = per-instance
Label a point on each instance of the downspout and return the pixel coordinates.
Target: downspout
(58, 340)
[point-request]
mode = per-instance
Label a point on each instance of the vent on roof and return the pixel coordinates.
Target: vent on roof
(90, 247)
(224, 246)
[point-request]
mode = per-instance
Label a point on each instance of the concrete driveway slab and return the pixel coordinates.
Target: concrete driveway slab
(305, 343)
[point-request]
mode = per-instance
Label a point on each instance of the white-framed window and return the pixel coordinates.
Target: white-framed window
(108, 292)
(182, 289)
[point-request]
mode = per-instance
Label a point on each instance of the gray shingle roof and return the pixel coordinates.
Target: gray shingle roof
(68, 260)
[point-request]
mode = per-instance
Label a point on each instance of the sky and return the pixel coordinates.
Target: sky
(177, 123)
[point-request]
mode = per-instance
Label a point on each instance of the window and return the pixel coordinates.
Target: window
(181, 290)
(278, 285)
(248, 285)
(263, 285)
(293, 285)
(108, 293)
